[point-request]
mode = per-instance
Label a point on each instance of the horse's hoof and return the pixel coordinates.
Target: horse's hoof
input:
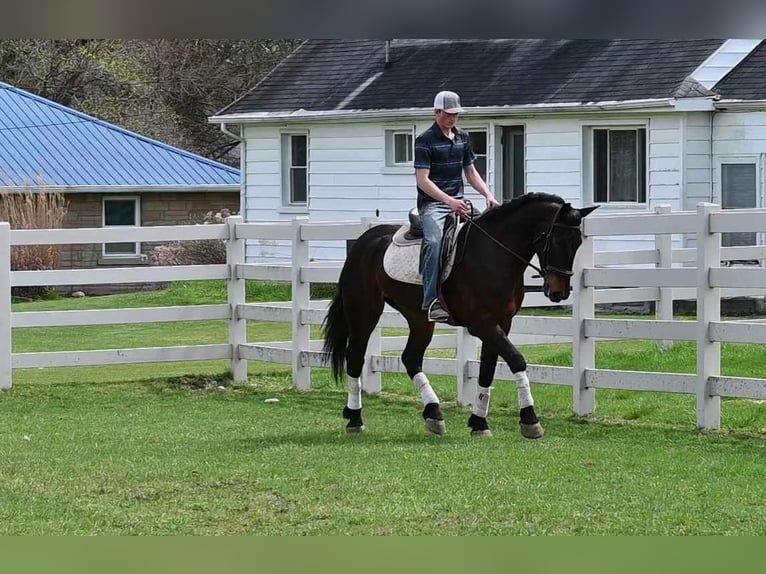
(532, 431)
(479, 426)
(436, 426)
(354, 418)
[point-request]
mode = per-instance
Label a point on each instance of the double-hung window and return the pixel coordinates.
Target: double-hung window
(121, 212)
(295, 171)
(399, 147)
(739, 190)
(619, 164)
(479, 145)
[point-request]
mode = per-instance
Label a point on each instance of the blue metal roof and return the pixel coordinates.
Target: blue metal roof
(43, 143)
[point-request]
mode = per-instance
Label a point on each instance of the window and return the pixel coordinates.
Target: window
(399, 148)
(739, 191)
(121, 212)
(295, 183)
(479, 146)
(619, 165)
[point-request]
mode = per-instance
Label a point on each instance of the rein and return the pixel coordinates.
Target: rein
(545, 235)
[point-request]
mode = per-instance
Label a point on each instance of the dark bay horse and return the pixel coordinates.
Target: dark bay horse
(483, 293)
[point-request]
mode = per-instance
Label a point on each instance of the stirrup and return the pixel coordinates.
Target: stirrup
(438, 315)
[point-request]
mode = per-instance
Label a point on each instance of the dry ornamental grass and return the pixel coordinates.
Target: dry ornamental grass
(33, 210)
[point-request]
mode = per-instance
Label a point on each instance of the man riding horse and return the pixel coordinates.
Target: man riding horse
(442, 153)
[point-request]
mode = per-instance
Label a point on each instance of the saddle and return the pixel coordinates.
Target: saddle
(402, 260)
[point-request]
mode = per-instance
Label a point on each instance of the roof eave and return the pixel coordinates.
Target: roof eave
(303, 115)
(740, 104)
(700, 104)
(127, 189)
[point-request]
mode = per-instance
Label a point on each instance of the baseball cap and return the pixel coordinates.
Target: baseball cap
(449, 102)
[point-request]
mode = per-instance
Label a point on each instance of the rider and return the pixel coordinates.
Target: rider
(442, 154)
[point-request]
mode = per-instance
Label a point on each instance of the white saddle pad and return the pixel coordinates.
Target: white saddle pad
(401, 260)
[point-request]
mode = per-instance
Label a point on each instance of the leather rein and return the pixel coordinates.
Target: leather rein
(545, 235)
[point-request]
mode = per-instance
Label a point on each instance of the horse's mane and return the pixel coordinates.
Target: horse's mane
(506, 209)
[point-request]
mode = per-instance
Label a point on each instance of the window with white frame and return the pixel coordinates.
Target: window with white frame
(619, 164)
(121, 212)
(479, 145)
(295, 172)
(399, 147)
(739, 190)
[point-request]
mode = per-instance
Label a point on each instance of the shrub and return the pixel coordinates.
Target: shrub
(200, 252)
(33, 210)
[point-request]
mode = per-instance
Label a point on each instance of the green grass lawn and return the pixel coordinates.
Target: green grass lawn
(178, 449)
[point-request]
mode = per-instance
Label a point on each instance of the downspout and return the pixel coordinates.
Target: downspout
(712, 185)
(242, 168)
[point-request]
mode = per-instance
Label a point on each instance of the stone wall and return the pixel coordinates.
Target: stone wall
(157, 208)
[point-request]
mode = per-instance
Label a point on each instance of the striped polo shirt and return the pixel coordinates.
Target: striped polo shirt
(445, 160)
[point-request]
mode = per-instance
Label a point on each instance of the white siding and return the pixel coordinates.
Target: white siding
(738, 135)
(348, 179)
(665, 166)
(553, 157)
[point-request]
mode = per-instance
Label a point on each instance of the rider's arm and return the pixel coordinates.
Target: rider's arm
(431, 189)
(474, 178)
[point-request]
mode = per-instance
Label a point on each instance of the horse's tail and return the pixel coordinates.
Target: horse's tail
(335, 331)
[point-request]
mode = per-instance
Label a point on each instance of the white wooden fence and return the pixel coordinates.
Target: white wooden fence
(599, 278)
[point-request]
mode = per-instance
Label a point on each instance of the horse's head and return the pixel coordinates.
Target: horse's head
(556, 247)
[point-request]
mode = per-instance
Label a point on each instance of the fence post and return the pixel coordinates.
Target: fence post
(6, 369)
(467, 347)
(301, 301)
(708, 309)
(372, 381)
(664, 245)
(583, 348)
(235, 290)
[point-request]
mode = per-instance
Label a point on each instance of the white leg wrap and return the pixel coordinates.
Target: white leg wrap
(354, 393)
(424, 387)
(481, 404)
(525, 395)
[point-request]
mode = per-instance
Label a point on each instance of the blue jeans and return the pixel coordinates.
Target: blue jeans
(433, 216)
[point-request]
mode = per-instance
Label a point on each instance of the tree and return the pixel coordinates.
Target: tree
(163, 89)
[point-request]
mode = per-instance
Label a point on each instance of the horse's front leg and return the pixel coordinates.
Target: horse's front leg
(421, 332)
(487, 365)
(495, 337)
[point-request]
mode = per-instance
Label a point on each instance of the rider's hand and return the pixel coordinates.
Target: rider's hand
(491, 201)
(458, 206)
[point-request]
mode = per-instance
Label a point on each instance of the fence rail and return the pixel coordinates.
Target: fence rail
(662, 275)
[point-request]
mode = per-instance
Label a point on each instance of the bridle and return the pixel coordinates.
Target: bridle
(546, 236)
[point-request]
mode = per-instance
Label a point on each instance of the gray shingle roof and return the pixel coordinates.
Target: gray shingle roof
(320, 74)
(748, 80)
(45, 143)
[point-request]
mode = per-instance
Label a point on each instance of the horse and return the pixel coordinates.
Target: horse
(483, 292)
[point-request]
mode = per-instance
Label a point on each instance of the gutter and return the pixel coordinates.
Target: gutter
(402, 113)
(230, 133)
(242, 167)
(107, 189)
(740, 104)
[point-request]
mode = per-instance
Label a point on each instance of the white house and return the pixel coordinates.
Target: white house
(628, 124)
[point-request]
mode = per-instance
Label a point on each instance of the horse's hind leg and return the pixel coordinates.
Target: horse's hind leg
(361, 326)
(421, 332)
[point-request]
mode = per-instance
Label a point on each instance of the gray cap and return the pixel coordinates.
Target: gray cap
(448, 102)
